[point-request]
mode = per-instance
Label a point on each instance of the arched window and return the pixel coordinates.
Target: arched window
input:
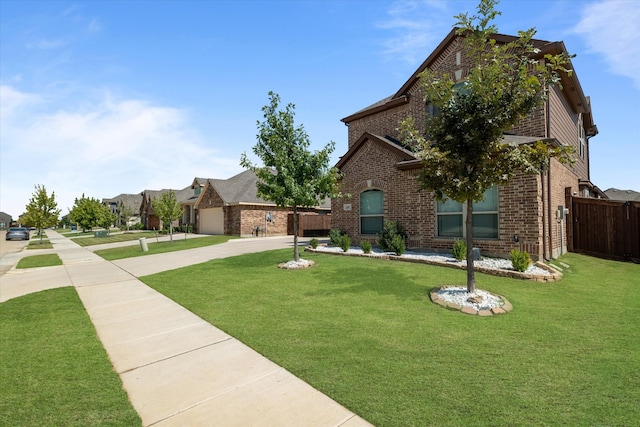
(371, 211)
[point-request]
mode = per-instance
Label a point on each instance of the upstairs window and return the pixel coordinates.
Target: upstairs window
(371, 211)
(451, 217)
(460, 88)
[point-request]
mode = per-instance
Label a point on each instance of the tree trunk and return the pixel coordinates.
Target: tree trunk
(296, 254)
(471, 280)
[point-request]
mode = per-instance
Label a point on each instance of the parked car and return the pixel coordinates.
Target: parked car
(19, 233)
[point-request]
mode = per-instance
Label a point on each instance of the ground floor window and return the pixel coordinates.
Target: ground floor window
(451, 216)
(371, 211)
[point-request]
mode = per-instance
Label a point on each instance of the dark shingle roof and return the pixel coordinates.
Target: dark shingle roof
(624, 195)
(131, 201)
(242, 189)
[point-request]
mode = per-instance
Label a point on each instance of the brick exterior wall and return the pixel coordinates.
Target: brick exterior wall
(523, 209)
(519, 206)
(252, 216)
(242, 219)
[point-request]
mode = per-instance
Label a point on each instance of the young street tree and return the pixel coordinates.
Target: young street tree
(88, 212)
(168, 209)
(123, 213)
(42, 210)
(292, 176)
(462, 149)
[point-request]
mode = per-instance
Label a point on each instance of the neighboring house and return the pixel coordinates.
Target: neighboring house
(131, 201)
(623, 195)
(5, 220)
(189, 211)
(148, 216)
(232, 207)
(380, 173)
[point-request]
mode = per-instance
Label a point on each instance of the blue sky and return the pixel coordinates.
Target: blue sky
(106, 97)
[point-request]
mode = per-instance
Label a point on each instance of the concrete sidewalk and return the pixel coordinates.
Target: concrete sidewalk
(177, 369)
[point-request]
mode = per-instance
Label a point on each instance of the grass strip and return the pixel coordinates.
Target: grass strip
(55, 371)
(365, 333)
(37, 244)
(161, 247)
(112, 238)
(45, 260)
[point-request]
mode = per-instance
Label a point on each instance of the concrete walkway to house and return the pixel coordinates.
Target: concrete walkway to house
(176, 368)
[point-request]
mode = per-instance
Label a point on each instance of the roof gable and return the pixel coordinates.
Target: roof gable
(385, 143)
(571, 88)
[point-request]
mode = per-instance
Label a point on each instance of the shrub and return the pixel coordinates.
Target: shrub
(520, 260)
(314, 243)
(459, 250)
(389, 232)
(345, 243)
(397, 244)
(366, 246)
(335, 237)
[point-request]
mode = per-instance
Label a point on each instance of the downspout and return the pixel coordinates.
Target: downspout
(546, 218)
(549, 211)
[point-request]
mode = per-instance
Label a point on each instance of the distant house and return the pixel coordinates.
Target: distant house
(623, 195)
(148, 215)
(131, 201)
(5, 220)
(528, 214)
(232, 207)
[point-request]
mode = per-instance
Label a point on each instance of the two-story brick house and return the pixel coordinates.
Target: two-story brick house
(381, 174)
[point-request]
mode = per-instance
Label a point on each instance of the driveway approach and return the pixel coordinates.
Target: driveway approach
(177, 369)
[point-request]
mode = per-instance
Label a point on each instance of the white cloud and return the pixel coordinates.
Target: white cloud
(610, 28)
(12, 101)
(104, 149)
(416, 27)
(46, 44)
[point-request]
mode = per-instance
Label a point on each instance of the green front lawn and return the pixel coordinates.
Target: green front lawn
(161, 247)
(55, 371)
(83, 240)
(46, 260)
(364, 332)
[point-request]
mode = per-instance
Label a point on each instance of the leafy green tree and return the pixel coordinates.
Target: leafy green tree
(291, 175)
(462, 151)
(42, 210)
(107, 219)
(168, 209)
(123, 213)
(88, 212)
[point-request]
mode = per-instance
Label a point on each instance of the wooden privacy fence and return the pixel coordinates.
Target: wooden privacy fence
(604, 228)
(310, 225)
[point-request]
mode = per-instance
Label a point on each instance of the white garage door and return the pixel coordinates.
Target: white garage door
(211, 221)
